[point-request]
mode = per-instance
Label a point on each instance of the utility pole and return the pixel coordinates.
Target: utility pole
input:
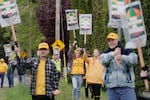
(30, 33)
(57, 20)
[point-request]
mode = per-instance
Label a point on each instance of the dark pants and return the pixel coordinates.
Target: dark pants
(87, 87)
(10, 79)
(96, 91)
(42, 97)
(59, 75)
(2, 78)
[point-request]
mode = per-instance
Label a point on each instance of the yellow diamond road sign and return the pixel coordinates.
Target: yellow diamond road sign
(23, 54)
(58, 43)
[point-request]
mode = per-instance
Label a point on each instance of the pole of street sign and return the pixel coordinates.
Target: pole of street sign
(57, 32)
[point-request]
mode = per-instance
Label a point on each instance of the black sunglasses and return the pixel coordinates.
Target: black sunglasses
(43, 49)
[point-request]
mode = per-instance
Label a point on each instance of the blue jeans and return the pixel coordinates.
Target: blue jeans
(10, 79)
(121, 93)
(76, 82)
(2, 75)
(21, 79)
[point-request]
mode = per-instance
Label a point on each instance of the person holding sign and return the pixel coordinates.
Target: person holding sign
(119, 75)
(44, 76)
(77, 70)
(94, 73)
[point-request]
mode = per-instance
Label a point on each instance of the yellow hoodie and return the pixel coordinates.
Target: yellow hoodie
(3, 66)
(77, 66)
(94, 70)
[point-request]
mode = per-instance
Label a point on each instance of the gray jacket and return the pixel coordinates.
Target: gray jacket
(122, 75)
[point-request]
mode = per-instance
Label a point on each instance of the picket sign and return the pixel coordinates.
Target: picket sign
(85, 22)
(9, 9)
(115, 10)
(9, 15)
(135, 32)
(72, 22)
(72, 19)
(132, 23)
(7, 49)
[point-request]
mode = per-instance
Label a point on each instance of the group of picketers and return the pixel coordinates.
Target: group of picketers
(113, 68)
(7, 67)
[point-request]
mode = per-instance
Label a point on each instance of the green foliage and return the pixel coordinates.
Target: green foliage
(28, 30)
(4, 38)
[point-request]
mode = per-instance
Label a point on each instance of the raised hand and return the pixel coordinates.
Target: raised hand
(118, 56)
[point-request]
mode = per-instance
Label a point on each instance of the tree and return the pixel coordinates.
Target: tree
(45, 15)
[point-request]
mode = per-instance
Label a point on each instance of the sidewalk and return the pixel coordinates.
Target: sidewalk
(16, 81)
(6, 81)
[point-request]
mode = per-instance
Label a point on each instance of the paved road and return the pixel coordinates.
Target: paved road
(6, 81)
(16, 81)
(27, 79)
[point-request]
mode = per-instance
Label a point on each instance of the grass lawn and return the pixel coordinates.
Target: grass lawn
(2, 93)
(22, 92)
(66, 92)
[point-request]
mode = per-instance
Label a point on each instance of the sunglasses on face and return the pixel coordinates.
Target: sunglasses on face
(43, 49)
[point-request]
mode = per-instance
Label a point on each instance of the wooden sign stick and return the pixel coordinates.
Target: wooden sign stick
(13, 31)
(75, 38)
(85, 40)
(142, 62)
